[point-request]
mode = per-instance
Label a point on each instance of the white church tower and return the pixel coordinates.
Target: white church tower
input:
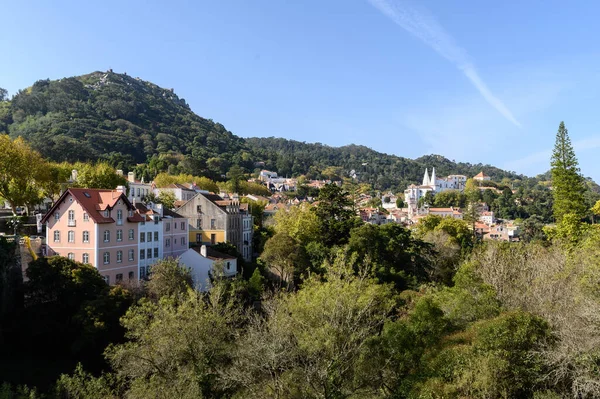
(426, 181)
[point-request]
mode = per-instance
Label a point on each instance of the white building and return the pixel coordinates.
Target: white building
(201, 262)
(432, 184)
(481, 177)
(163, 234)
(487, 217)
(445, 212)
(138, 190)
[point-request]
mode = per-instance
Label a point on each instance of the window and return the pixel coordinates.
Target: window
(149, 236)
(119, 277)
(107, 213)
(182, 225)
(142, 272)
(198, 224)
(149, 253)
(71, 256)
(56, 215)
(131, 234)
(168, 226)
(86, 236)
(106, 258)
(174, 225)
(57, 236)
(119, 217)
(156, 252)
(85, 258)
(119, 235)
(182, 240)
(142, 237)
(198, 237)
(168, 242)
(228, 265)
(156, 218)
(144, 221)
(107, 279)
(106, 236)
(119, 256)
(156, 236)
(71, 236)
(71, 219)
(131, 275)
(199, 208)
(213, 222)
(142, 254)
(131, 254)
(86, 217)
(213, 239)
(138, 192)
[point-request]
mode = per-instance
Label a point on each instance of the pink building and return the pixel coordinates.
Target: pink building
(96, 227)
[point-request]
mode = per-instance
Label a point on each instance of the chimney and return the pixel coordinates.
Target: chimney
(119, 172)
(122, 189)
(131, 177)
(203, 250)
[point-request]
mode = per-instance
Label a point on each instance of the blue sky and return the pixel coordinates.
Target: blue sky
(473, 81)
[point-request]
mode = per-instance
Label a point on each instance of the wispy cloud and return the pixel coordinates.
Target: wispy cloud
(423, 26)
(543, 157)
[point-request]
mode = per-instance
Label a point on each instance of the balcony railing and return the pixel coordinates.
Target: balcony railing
(71, 223)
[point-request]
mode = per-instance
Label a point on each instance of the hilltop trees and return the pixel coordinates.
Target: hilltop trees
(568, 186)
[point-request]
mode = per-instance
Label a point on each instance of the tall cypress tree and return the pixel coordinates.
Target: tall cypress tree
(568, 186)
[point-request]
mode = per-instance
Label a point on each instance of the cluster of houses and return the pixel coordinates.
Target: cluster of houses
(122, 236)
(487, 227)
(277, 183)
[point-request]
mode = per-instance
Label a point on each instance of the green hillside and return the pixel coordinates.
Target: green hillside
(128, 121)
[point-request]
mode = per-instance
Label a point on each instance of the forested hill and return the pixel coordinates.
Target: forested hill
(291, 158)
(128, 121)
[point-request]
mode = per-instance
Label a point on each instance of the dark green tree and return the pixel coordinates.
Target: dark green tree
(334, 210)
(568, 186)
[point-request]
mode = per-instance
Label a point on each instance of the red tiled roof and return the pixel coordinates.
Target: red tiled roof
(94, 202)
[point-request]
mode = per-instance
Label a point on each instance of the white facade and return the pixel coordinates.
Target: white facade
(434, 185)
(487, 218)
(150, 247)
(138, 190)
(202, 265)
(247, 236)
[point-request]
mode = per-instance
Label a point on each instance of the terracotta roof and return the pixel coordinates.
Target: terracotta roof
(178, 204)
(441, 209)
(94, 202)
(481, 174)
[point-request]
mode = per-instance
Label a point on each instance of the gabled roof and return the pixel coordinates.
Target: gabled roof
(94, 202)
(481, 174)
(168, 212)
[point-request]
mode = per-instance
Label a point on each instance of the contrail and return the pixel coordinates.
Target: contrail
(424, 27)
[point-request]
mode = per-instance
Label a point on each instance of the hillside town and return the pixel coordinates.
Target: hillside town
(122, 234)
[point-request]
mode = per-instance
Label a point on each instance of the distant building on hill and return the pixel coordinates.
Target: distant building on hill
(414, 193)
(481, 177)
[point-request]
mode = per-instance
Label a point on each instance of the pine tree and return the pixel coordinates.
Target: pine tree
(568, 187)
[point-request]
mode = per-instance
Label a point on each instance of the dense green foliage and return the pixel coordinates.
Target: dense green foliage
(127, 121)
